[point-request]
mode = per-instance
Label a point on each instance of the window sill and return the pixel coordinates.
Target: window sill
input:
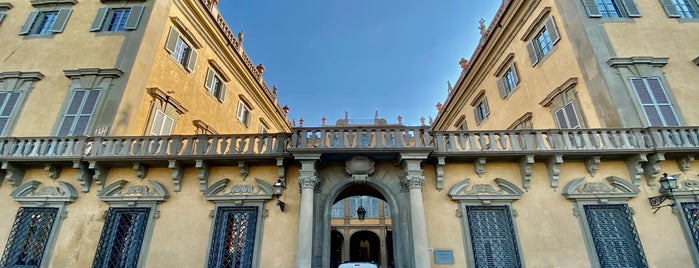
(544, 58)
(179, 65)
(688, 20)
(616, 20)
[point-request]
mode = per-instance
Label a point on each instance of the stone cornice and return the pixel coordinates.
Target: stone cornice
(38, 3)
(5, 5)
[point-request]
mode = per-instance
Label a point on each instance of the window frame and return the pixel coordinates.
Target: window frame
(105, 16)
(481, 110)
(215, 85)
(583, 193)
(181, 51)
(165, 117)
(508, 81)
(109, 233)
(79, 113)
(655, 103)
(566, 110)
(535, 51)
(625, 8)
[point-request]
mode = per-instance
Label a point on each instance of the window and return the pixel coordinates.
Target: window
(8, 102)
(614, 234)
(492, 236)
(524, 122)
(691, 213)
(122, 237)
(243, 113)
(76, 118)
(654, 101)
(542, 44)
(481, 110)
(2, 15)
(567, 117)
(46, 22)
(338, 210)
(263, 129)
(215, 85)
(29, 237)
(162, 124)
(233, 240)
(611, 8)
(681, 8)
(117, 19)
(180, 50)
(508, 81)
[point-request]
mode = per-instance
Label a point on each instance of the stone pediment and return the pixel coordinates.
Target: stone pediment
(505, 191)
(220, 191)
(614, 188)
(117, 192)
(30, 192)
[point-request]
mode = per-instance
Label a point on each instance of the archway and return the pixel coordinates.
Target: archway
(365, 247)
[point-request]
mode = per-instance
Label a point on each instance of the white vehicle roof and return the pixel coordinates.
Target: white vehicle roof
(357, 265)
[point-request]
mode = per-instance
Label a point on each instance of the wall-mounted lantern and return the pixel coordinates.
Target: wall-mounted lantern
(667, 184)
(278, 190)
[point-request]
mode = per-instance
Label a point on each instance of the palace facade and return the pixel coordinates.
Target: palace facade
(140, 134)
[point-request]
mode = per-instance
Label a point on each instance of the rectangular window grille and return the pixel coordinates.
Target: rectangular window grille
(691, 213)
(233, 241)
(122, 237)
(29, 236)
(8, 102)
(493, 236)
(654, 101)
(77, 117)
(614, 235)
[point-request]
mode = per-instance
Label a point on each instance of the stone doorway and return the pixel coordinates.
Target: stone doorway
(365, 247)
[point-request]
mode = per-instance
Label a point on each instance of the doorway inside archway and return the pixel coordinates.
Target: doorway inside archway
(361, 238)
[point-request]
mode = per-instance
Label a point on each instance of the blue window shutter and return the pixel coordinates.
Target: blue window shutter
(172, 40)
(631, 8)
(531, 50)
(553, 30)
(2, 15)
(99, 19)
(192, 61)
(134, 17)
(61, 20)
(670, 8)
(27, 27)
(591, 9)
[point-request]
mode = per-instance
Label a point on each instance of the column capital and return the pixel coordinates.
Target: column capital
(413, 182)
(308, 182)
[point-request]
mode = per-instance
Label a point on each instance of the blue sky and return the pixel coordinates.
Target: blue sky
(361, 56)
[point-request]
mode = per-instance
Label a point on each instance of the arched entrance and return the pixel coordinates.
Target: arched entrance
(337, 241)
(364, 247)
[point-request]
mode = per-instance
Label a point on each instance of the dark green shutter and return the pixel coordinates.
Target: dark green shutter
(670, 8)
(631, 8)
(99, 19)
(27, 27)
(134, 17)
(591, 8)
(61, 20)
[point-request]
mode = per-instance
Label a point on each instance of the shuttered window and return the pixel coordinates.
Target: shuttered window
(46, 22)
(681, 8)
(654, 101)
(80, 109)
(29, 237)
(508, 81)
(181, 51)
(493, 236)
(243, 113)
(8, 102)
(611, 8)
(233, 240)
(122, 237)
(542, 44)
(2, 15)
(162, 124)
(117, 19)
(214, 85)
(481, 110)
(614, 235)
(567, 117)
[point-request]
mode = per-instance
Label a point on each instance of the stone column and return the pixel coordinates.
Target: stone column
(383, 250)
(413, 181)
(308, 183)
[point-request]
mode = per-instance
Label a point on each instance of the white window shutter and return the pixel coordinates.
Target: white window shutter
(61, 20)
(531, 50)
(553, 30)
(591, 9)
(501, 86)
(222, 96)
(27, 27)
(631, 8)
(239, 112)
(168, 123)
(157, 122)
(192, 61)
(209, 80)
(99, 19)
(172, 40)
(134, 17)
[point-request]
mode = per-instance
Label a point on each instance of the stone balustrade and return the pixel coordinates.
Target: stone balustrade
(360, 139)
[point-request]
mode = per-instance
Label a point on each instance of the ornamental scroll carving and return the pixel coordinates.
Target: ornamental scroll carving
(31, 192)
(614, 188)
(360, 167)
(485, 193)
(117, 192)
(220, 191)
